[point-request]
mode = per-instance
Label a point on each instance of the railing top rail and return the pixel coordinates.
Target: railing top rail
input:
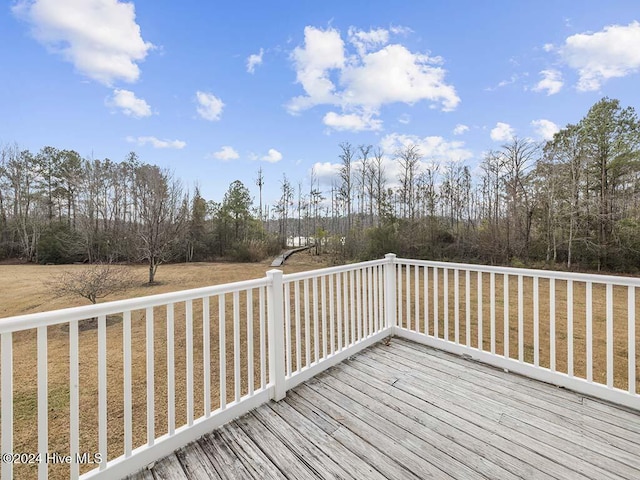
(581, 277)
(292, 277)
(34, 320)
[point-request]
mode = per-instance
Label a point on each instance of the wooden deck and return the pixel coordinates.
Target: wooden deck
(406, 411)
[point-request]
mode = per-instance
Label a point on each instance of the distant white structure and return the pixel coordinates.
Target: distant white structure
(300, 241)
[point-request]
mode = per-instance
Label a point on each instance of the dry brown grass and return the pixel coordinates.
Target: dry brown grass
(22, 288)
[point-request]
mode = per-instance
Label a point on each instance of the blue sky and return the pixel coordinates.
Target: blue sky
(216, 90)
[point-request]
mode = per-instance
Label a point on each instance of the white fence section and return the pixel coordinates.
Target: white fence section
(573, 330)
(125, 383)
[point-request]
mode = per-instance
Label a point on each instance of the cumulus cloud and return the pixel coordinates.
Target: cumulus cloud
(323, 51)
(460, 129)
(360, 82)
(226, 153)
(209, 106)
(609, 53)
(351, 121)
(100, 37)
(366, 41)
(432, 148)
(545, 128)
(502, 132)
(551, 82)
(394, 74)
(254, 60)
(157, 143)
(326, 172)
(272, 156)
(130, 105)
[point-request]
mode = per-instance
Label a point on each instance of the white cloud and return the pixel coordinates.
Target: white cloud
(130, 105)
(226, 153)
(272, 156)
(502, 132)
(551, 82)
(326, 172)
(394, 74)
(432, 148)
(360, 83)
(254, 60)
(209, 106)
(612, 52)
(366, 41)
(405, 118)
(351, 121)
(157, 143)
(545, 128)
(400, 30)
(514, 78)
(323, 51)
(100, 37)
(460, 129)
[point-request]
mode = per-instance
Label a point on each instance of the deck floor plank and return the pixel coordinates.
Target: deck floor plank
(539, 431)
(375, 435)
(594, 434)
(196, 463)
(485, 428)
(399, 429)
(497, 449)
(315, 458)
(249, 453)
(539, 428)
(169, 468)
(378, 459)
(406, 411)
(351, 463)
(593, 428)
(439, 439)
(222, 457)
(556, 398)
(285, 460)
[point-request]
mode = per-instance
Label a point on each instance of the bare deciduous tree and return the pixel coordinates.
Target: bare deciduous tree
(346, 182)
(163, 213)
(93, 282)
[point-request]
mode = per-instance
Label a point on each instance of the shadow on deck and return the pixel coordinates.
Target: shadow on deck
(406, 411)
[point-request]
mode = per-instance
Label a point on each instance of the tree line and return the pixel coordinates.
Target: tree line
(574, 200)
(57, 207)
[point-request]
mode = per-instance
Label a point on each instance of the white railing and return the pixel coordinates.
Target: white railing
(573, 330)
(329, 312)
(113, 387)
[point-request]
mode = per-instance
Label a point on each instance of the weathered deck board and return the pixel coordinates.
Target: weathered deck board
(409, 411)
(544, 432)
(196, 464)
(553, 417)
(491, 419)
(169, 468)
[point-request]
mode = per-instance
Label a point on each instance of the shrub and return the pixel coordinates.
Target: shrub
(59, 244)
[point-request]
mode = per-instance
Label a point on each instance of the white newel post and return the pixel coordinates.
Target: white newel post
(276, 333)
(390, 291)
